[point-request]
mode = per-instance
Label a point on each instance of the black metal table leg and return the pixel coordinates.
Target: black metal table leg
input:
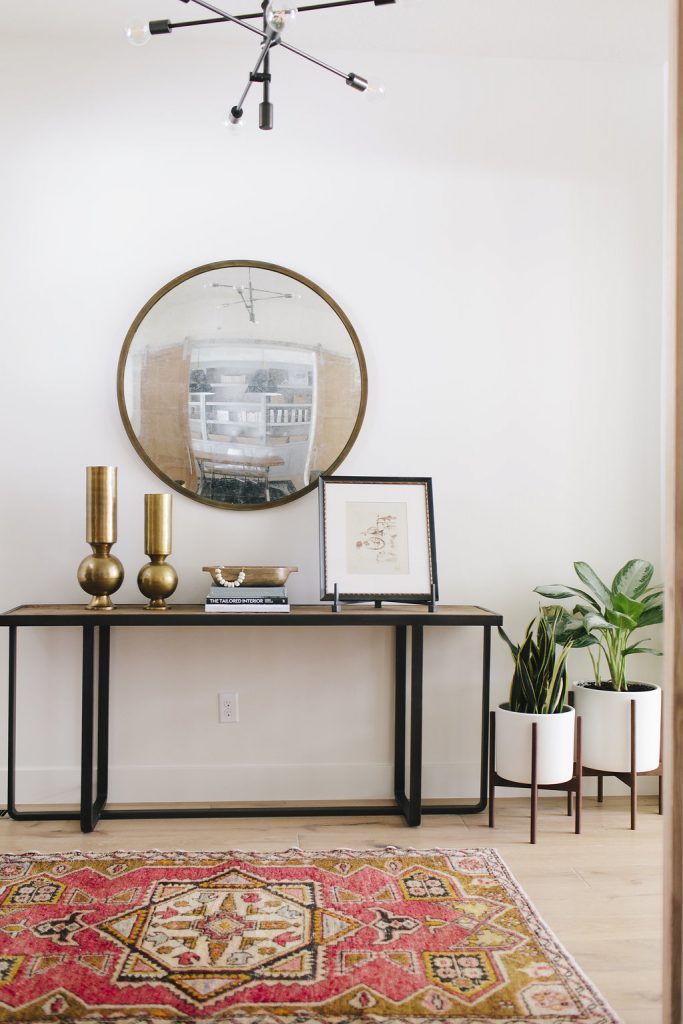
(102, 784)
(416, 660)
(485, 702)
(88, 813)
(400, 716)
(12, 722)
(480, 805)
(410, 806)
(12, 748)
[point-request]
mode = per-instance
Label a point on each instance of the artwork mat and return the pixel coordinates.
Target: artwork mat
(415, 493)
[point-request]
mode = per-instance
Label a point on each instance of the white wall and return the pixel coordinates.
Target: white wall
(493, 232)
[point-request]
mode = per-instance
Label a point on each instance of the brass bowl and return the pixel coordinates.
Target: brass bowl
(254, 575)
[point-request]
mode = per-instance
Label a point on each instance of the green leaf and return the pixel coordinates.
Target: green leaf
(652, 616)
(579, 641)
(574, 619)
(598, 622)
(557, 695)
(637, 649)
(503, 635)
(620, 620)
(546, 649)
(538, 684)
(633, 579)
(555, 590)
(526, 688)
(654, 597)
(571, 629)
(593, 582)
(558, 591)
(587, 597)
(552, 611)
(628, 606)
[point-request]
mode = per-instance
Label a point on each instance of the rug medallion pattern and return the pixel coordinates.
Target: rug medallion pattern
(293, 938)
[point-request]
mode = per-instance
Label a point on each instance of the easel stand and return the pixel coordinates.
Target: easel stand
(572, 785)
(338, 600)
(629, 778)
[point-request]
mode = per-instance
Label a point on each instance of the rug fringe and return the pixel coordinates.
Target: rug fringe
(341, 850)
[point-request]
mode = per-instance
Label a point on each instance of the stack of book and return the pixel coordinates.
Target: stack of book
(247, 599)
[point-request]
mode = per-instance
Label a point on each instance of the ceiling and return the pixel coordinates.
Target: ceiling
(557, 29)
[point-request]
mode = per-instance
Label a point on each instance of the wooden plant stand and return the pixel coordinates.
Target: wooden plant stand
(629, 778)
(572, 785)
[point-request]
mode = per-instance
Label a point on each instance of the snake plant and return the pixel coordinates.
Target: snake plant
(605, 617)
(539, 680)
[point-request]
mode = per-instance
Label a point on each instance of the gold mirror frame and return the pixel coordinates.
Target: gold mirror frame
(251, 264)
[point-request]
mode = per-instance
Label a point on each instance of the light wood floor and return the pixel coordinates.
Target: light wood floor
(600, 892)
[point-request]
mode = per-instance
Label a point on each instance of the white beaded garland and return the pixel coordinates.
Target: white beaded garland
(228, 583)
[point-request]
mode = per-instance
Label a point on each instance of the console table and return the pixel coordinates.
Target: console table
(96, 627)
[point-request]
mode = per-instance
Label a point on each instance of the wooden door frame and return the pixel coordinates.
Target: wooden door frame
(673, 689)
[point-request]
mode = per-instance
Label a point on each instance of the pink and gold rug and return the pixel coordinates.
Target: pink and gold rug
(343, 937)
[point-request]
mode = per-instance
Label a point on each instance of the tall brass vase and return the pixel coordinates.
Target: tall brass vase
(157, 580)
(101, 573)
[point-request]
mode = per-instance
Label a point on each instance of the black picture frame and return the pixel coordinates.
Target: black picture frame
(403, 538)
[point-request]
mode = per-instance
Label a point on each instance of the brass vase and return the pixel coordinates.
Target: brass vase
(101, 573)
(157, 580)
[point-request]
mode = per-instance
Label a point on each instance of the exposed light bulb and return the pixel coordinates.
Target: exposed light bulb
(375, 91)
(137, 32)
(234, 122)
(280, 14)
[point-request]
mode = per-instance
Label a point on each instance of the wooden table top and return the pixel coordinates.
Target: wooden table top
(299, 615)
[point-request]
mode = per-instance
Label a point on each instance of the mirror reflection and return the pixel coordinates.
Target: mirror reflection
(240, 383)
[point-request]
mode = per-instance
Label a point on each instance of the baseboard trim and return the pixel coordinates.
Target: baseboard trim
(242, 783)
(262, 783)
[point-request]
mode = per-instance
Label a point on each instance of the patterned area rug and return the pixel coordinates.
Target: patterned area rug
(343, 937)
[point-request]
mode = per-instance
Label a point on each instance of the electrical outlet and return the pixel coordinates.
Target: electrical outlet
(228, 707)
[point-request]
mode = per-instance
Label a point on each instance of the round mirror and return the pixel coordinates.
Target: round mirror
(239, 383)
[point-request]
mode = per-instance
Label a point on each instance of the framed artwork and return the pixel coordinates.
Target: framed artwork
(377, 538)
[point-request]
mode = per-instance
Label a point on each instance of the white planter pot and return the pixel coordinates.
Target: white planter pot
(606, 727)
(555, 746)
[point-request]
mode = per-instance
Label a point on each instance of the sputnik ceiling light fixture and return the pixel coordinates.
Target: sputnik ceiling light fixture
(275, 16)
(248, 296)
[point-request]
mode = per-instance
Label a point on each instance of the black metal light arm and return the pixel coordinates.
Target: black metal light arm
(268, 38)
(355, 81)
(257, 14)
(237, 109)
(224, 16)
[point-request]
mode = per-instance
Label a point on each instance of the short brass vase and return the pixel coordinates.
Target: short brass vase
(101, 573)
(157, 580)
